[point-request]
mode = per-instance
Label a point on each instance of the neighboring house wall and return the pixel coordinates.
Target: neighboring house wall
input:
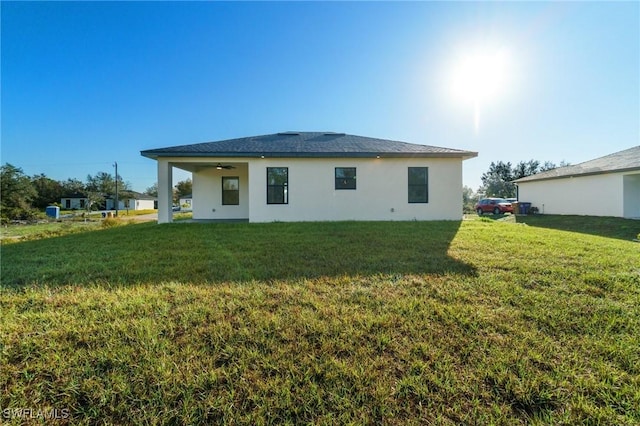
(73, 203)
(111, 205)
(130, 204)
(186, 203)
(143, 204)
(595, 195)
(381, 190)
(631, 185)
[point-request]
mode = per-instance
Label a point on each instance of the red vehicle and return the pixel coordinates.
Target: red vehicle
(494, 205)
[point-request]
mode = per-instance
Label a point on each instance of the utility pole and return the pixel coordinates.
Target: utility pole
(116, 166)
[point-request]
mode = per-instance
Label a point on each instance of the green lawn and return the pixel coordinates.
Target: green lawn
(603, 226)
(475, 322)
(38, 231)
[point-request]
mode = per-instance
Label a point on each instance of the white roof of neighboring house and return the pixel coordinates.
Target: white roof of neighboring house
(627, 160)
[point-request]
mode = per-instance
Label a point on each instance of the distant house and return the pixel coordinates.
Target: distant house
(131, 200)
(186, 202)
(606, 186)
(76, 201)
(314, 176)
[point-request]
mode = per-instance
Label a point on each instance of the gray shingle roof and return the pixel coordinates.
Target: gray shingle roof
(75, 195)
(306, 144)
(139, 196)
(627, 160)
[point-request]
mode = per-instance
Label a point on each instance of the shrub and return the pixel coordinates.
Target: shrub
(110, 222)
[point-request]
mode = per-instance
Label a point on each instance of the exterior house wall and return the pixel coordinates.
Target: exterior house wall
(631, 185)
(186, 203)
(73, 203)
(381, 185)
(595, 195)
(382, 178)
(207, 190)
(142, 204)
(380, 194)
(110, 204)
(130, 204)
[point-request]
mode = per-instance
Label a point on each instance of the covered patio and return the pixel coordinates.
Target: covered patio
(213, 201)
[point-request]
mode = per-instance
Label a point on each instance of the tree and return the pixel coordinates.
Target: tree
(497, 182)
(523, 169)
(183, 188)
(95, 201)
(102, 183)
(103, 186)
(16, 194)
(72, 186)
(548, 165)
(49, 191)
(152, 190)
(469, 200)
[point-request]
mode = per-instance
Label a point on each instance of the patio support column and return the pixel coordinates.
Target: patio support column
(165, 191)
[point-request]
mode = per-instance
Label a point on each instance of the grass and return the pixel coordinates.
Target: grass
(98, 214)
(79, 222)
(136, 212)
(38, 231)
(480, 321)
(602, 226)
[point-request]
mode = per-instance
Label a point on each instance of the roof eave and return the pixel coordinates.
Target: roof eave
(462, 154)
(574, 175)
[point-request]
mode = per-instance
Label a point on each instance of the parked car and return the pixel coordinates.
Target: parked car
(494, 205)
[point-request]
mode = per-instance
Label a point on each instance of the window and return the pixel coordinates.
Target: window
(277, 185)
(67, 204)
(345, 178)
(230, 191)
(418, 184)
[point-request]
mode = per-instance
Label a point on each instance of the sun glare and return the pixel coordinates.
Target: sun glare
(479, 77)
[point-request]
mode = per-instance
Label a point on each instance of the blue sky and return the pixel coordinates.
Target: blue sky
(87, 84)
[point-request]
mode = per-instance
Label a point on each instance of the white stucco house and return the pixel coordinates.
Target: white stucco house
(76, 201)
(131, 200)
(606, 186)
(186, 202)
(314, 176)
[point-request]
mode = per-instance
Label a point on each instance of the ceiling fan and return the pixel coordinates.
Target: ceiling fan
(226, 167)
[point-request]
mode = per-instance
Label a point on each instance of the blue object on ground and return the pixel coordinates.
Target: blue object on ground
(53, 211)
